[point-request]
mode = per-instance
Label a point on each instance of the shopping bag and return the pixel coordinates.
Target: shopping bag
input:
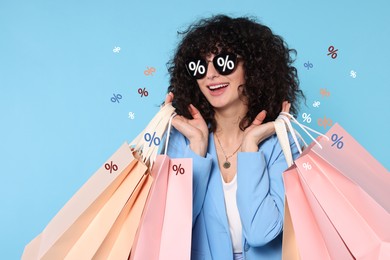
(165, 228)
(91, 223)
(311, 236)
(177, 226)
(148, 237)
(70, 222)
(352, 193)
(123, 199)
(118, 243)
(347, 197)
(300, 223)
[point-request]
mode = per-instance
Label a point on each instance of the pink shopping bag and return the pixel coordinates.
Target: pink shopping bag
(304, 226)
(166, 225)
(352, 194)
(177, 226)
(148, 237)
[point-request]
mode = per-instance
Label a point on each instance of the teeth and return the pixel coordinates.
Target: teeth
(217, 86)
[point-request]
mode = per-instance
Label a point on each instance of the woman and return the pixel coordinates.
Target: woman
(230, 78)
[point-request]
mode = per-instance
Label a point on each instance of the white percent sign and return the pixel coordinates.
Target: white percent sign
(306, 166)
(197, 67)
(225, 63)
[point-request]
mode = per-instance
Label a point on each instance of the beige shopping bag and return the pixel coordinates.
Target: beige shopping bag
(66, 228)
(101, 219)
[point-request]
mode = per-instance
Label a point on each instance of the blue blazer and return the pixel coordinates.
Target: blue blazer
(260, 200)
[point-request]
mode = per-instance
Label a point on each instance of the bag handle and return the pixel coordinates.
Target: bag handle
(282, 123)
(156, 127)
(168, 133)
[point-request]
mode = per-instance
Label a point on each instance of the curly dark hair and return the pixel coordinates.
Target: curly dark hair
(270, 77)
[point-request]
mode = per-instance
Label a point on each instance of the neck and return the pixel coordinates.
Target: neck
(228, 124)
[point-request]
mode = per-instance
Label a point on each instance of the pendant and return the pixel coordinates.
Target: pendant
(226, 165)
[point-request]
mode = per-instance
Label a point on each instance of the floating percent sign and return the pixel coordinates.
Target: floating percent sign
(337, 141)
(111, 167)
(316, 103)
(325, 122)
(353, 74)
(306, 117)
(116, 49)
(332, 52)
(152, 139)
(178, 169)
(131, 115)
(306, 166)
(197, 68)
(225, 63)
(308, 65)
(149, 71)
(116, 98)
(324, 92)
(143, 92)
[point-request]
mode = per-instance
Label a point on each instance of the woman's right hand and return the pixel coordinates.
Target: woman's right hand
(195, 129)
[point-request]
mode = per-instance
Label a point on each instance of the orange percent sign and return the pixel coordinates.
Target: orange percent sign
(325, 122)
(149, 71)
(178, 169)
(324, 92)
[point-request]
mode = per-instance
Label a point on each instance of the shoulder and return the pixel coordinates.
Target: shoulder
(272, 149)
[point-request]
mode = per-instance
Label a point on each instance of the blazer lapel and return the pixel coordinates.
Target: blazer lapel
(215, 186)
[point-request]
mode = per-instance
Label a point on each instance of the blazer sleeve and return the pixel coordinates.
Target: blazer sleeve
(178, 147)
(260, 191)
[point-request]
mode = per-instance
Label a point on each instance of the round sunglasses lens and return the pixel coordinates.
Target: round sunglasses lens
(225, 63)
(196, 68)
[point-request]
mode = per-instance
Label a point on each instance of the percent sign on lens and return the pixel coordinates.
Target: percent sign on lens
(143, 92)
(178, 169)
(197, 67)
(337, 141)
(306, 117)
(111, 167)
(225, 63)
(332, 52)
(116, 98)
(325, 122)
(152, 139)
(308, 65)
(306, 166)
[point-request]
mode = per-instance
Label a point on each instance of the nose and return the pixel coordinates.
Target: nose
(211, 71)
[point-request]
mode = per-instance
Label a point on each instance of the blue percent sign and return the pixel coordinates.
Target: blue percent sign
(152, 139)
(337, 141)
(308, 65)
(116, 98)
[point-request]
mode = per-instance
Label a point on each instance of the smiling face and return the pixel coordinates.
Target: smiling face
(222, 91)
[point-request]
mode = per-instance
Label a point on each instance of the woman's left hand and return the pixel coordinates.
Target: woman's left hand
(258, 132)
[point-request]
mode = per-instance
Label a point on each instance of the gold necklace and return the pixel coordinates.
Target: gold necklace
(226, 164)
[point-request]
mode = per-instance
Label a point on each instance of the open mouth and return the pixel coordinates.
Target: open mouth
(219, 86)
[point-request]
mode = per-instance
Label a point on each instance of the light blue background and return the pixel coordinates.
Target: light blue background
(58, 73)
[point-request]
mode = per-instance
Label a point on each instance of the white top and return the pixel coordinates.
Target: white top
(230, 190)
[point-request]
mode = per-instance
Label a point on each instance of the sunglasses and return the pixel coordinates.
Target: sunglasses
(225, 63)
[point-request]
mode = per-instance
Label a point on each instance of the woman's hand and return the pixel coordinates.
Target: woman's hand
(258, 132)
(195, 129)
